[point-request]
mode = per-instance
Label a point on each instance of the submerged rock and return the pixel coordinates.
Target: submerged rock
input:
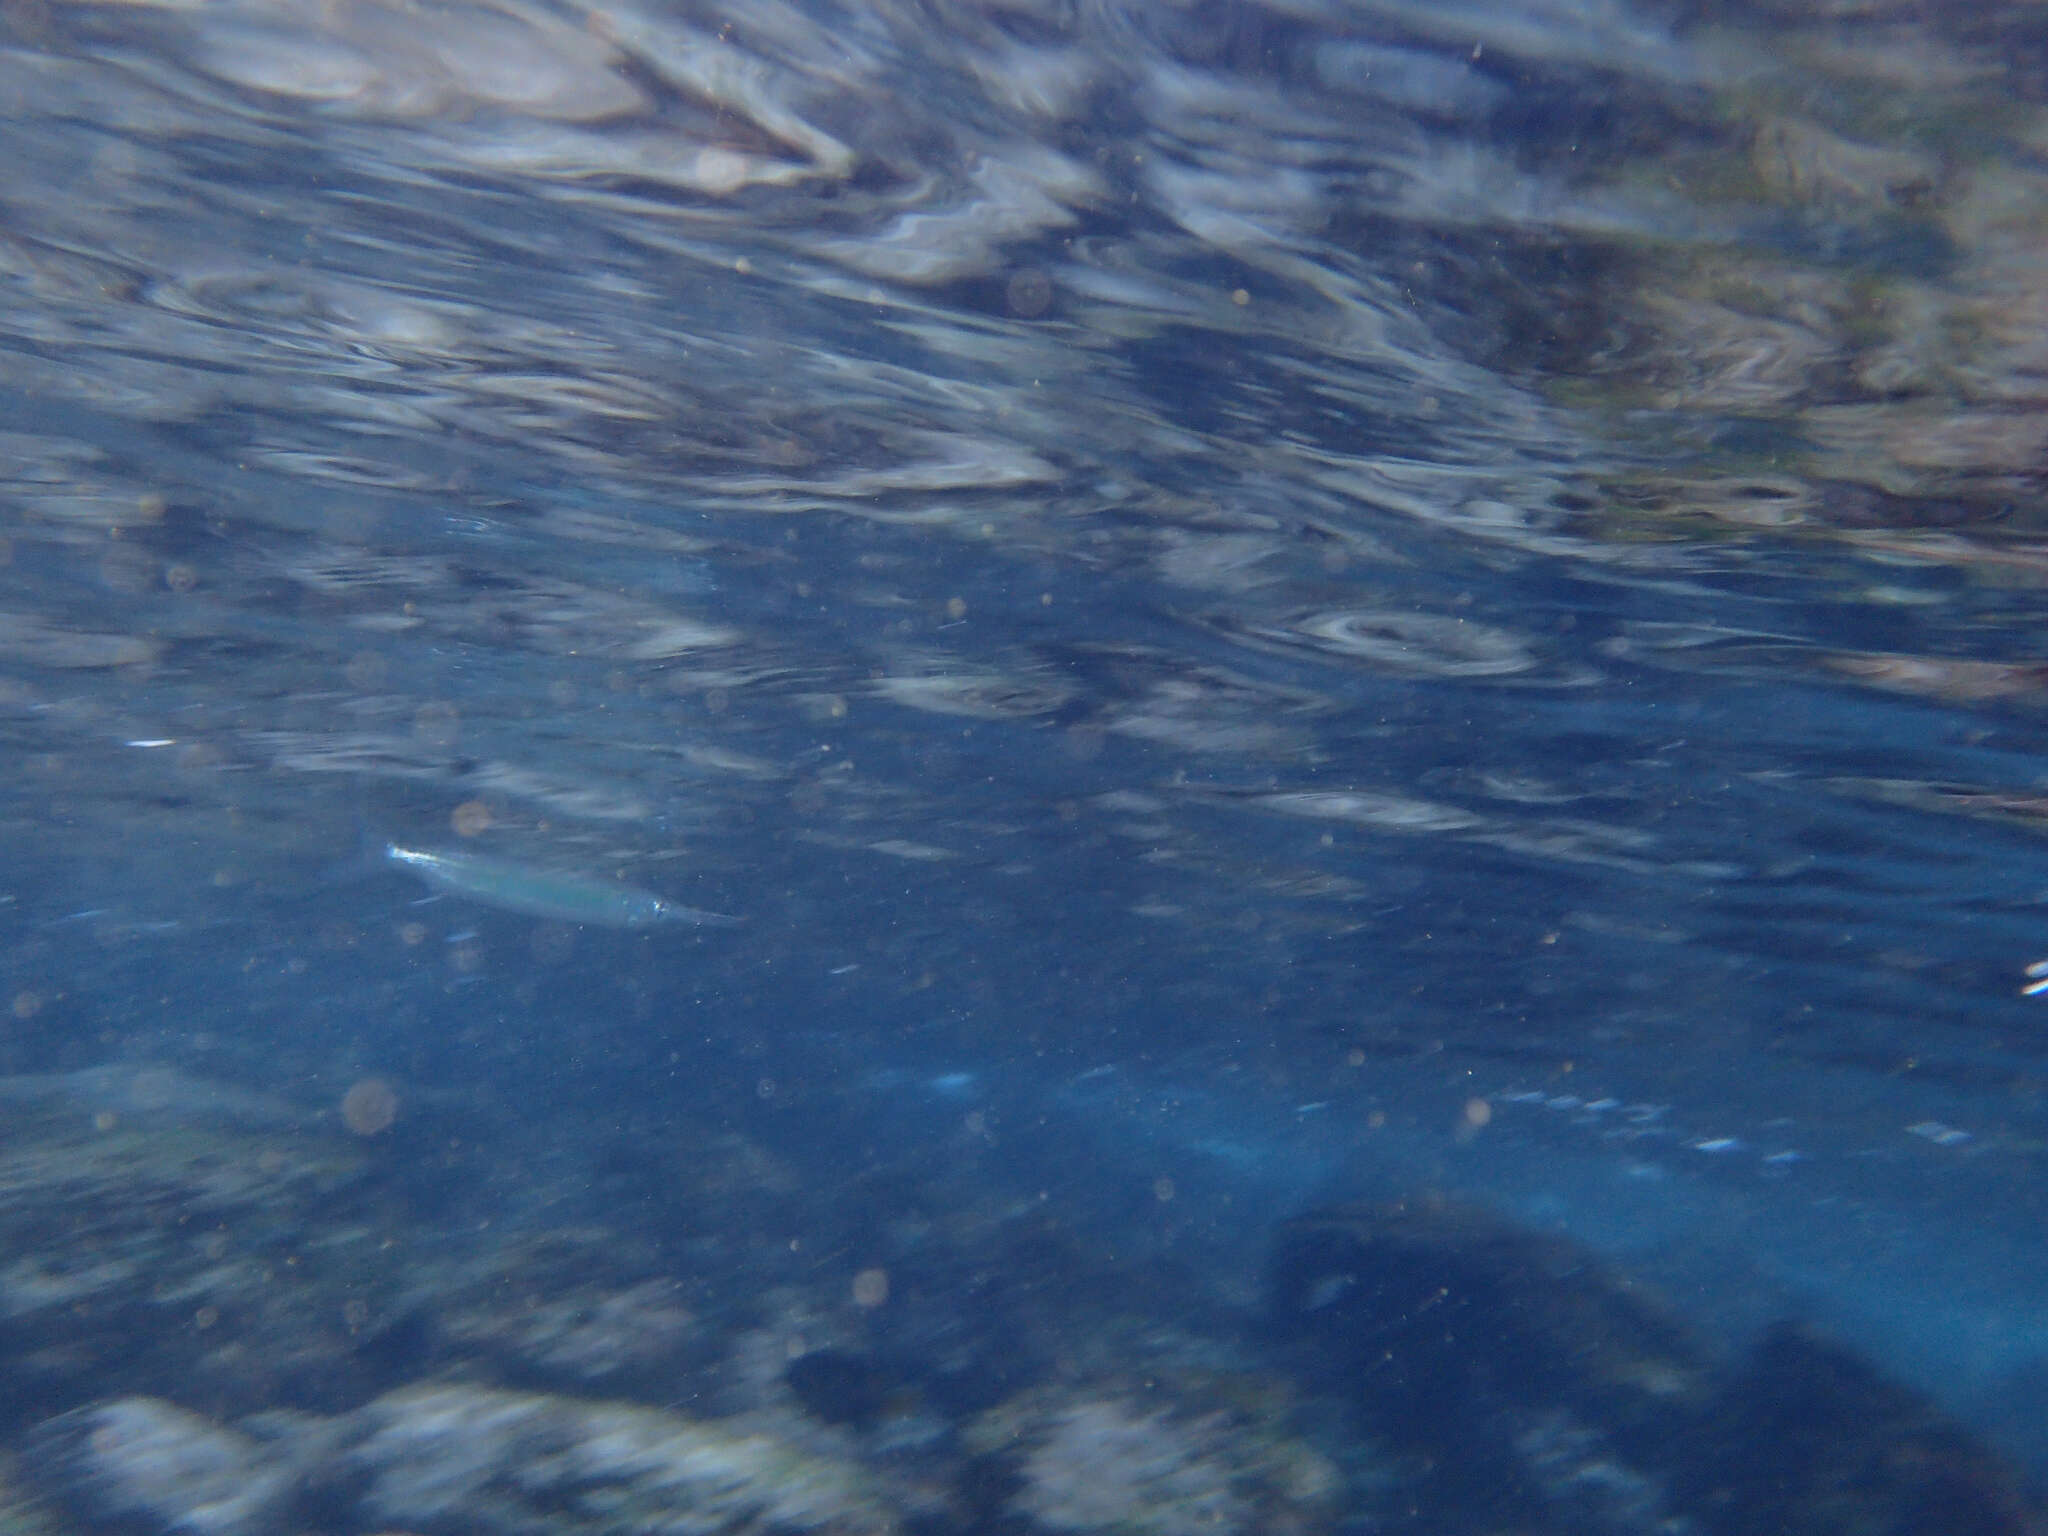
(1546, 1392)
(843, 1386)
(149, 1465)
(1530, 1388)
(447, 1458)
(1810, 1438)
(237, 1268)
(574, 1311)
(483, 1462)
(1149, 1460)
(1434, 1311)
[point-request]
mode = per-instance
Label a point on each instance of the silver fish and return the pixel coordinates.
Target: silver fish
(541, 892)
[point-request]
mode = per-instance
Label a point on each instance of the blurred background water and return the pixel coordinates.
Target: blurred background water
(1249, 604)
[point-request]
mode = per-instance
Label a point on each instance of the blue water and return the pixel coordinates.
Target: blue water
(1256, 608)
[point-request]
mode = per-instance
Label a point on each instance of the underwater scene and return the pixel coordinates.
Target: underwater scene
(1023, 768)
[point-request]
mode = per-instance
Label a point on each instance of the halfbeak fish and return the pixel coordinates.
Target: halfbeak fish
(540, 892)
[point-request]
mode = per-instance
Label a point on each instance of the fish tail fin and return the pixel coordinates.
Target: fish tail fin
(698, 917)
